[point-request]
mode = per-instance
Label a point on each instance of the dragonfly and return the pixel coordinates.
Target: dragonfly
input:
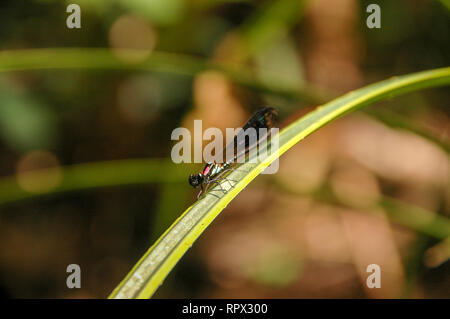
(240, 146)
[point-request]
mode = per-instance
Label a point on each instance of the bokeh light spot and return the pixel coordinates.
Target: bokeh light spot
(38, 171)
(132, 38)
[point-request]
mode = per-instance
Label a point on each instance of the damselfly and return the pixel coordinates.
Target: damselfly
(241, 146)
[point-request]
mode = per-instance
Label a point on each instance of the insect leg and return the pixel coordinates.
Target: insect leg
(201, 191)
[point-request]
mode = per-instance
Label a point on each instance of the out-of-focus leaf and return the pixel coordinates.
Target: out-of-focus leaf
(446, 4)
(271, 21)
(25, 123)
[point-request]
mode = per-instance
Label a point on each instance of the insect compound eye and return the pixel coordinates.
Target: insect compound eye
(195, 180)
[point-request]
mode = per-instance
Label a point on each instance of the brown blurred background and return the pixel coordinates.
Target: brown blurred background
(370, 188)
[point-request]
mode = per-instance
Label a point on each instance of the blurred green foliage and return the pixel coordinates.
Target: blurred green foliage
(25, 123)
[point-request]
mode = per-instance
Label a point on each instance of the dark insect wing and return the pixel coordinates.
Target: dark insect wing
(262, 118)
(246, 140)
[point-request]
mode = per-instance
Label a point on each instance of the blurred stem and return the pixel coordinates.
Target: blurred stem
(413, 217)
(398, 121)
(414, 263)
(92, 175)
(164, 62)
